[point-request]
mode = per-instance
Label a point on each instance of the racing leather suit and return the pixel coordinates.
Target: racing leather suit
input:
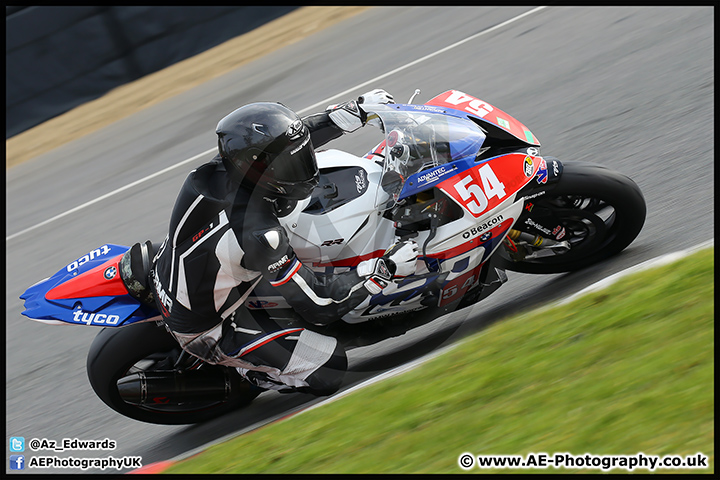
(222, 241)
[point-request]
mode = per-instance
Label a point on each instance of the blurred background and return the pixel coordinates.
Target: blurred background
(58, 57)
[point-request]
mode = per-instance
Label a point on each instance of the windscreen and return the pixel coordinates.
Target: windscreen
(420, 138)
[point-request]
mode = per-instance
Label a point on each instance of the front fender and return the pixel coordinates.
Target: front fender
(546, 178)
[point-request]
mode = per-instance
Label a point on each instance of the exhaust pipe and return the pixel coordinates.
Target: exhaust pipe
(176, 388)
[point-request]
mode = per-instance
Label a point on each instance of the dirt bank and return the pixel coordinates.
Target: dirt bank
(180, 77)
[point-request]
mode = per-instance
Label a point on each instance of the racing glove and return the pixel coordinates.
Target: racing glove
(376, 96)
(398, 261)
(349, 116)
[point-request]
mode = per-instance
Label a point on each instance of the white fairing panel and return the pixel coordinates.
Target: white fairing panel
(338, 238)
(322, 238)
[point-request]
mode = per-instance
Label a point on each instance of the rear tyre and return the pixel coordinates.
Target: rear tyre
(117, 352)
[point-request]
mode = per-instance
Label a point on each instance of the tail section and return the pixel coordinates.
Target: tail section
(88, 291)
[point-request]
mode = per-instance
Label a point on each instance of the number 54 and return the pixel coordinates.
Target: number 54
(476, 198)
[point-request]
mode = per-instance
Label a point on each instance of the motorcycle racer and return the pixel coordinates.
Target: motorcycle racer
(225, 236)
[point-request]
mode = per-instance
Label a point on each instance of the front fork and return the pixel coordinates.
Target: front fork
(538, 232)
(526, 246)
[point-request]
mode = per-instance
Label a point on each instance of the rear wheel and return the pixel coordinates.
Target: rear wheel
(148, 350)
(596, 211)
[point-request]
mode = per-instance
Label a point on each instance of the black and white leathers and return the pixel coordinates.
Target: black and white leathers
(223, 239)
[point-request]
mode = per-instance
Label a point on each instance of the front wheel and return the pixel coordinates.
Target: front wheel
(596, 212)
(148, 350)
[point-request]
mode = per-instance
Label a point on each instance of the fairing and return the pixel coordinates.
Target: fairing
(431, 153)
(88, 291)
(467, 104)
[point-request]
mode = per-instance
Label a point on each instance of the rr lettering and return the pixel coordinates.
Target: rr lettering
(328, 243)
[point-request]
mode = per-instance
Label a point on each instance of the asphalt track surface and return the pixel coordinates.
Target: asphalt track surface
(631, 88)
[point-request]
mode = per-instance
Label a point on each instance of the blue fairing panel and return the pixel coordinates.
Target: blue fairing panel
(103, 311)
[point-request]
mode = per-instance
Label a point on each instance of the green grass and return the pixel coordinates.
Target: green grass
(625, 370)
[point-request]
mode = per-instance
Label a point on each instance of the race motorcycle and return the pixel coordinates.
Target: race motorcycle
(462, 178)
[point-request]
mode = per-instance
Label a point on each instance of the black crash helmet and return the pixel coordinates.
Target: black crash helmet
(267, 145)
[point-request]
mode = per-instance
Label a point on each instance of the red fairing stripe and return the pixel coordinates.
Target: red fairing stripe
(93, 283)
(351, 262)
(354, 261)
(454, 252)
(450, 253)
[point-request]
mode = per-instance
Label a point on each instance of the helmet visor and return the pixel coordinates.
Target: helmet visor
(295, 164)
(294, 173)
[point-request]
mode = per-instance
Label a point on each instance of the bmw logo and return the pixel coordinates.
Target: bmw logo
(110, 273)
(485, 236)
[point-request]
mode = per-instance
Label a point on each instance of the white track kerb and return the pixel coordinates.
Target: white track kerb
(606, 282)
(321, 103)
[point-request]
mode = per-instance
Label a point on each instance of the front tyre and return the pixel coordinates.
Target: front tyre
(601, 211)
(146, 347)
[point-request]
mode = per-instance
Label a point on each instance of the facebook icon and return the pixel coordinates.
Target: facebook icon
(17, 462)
